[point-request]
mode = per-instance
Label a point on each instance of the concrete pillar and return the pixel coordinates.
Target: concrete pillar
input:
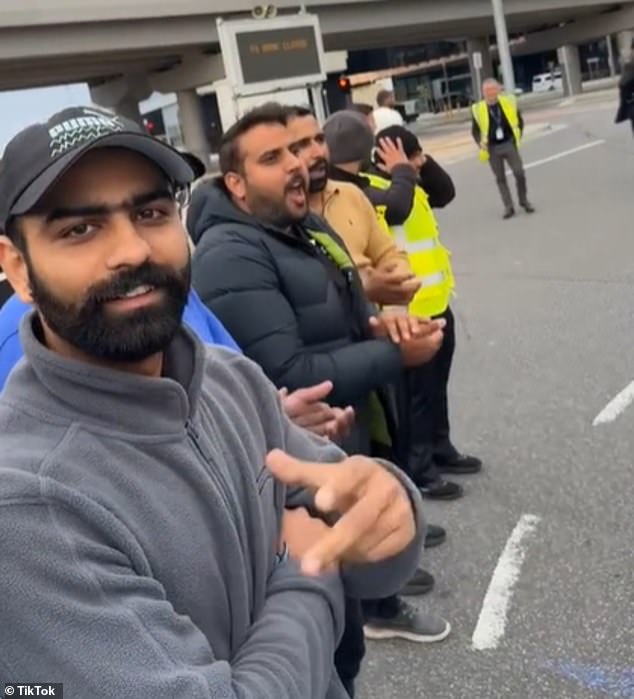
(481, 46)
(571, 68)
(128, 107)
(624, 43)
(190, 115)
(122, 95)
(611, 61)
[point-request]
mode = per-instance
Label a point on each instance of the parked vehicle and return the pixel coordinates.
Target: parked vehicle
(409, 110)
(547, 82)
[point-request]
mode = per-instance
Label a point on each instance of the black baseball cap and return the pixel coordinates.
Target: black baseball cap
(38, 156)
(411, 144)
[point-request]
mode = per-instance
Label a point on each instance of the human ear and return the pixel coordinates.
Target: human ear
(236, 185)
(13, 264)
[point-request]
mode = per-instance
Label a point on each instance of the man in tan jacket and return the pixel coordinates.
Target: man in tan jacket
(384, 269)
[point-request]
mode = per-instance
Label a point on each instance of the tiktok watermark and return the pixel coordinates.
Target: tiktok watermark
(34, 690)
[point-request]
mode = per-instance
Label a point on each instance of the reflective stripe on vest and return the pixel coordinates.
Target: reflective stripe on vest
(429, 260)
(432, 279)
(411, 247)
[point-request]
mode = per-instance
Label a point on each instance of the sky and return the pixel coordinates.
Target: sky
(20, 108)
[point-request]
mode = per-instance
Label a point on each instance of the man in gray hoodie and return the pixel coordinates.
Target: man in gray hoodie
(166, 531)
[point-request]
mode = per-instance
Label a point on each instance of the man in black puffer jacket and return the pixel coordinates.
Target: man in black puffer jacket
(626, 91)
(284, 286)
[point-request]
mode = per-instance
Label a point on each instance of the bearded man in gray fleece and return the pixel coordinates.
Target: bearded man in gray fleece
(166, 531)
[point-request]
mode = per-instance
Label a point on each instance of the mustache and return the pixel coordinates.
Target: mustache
(148, 274)
(321, 164)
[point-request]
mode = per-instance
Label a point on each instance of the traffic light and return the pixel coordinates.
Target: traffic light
(344, 83)
(153, 122)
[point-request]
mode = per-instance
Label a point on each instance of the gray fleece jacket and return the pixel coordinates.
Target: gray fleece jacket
(139, 530)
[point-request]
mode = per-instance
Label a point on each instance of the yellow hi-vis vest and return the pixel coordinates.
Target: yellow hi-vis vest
(429, 260)
(480, 112)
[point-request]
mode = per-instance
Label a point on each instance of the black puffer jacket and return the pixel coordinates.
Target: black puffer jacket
(286, 304)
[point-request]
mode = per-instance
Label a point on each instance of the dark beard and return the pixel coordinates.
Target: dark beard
(274, 213)
(317, 183)
(267, 211)
(125, 337)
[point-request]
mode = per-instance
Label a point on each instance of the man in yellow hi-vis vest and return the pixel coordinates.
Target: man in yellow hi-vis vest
(497, 128)
(403, 190)
(416, 230)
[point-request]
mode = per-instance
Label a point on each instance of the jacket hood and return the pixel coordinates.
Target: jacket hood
(211, 206)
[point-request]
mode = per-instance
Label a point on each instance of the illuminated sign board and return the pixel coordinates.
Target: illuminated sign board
(276, 54)
(272, 54)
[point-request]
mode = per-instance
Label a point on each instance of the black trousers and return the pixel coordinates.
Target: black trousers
(424, 412)
(351, 649)
(423, 437)
(501, 154)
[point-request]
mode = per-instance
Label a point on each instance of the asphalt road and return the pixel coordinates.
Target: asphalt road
(545, 320)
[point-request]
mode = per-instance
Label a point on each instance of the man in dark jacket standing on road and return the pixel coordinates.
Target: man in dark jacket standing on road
(284, 286)
(626, 92)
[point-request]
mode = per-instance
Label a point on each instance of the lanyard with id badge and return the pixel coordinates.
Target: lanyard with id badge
(496, 115)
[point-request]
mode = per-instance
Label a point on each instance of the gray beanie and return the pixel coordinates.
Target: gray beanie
(349, 137)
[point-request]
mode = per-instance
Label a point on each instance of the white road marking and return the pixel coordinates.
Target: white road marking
(564, 153)
(616, 406)
(492, 620)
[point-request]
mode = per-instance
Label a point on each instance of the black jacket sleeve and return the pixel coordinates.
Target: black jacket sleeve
(626, 93)
(238, 281)
(520, 120)
(398, 198)
(437, 182)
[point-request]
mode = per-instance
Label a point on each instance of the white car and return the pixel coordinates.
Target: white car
(546, 82)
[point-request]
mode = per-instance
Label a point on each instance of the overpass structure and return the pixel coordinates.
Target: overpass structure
(127, 51)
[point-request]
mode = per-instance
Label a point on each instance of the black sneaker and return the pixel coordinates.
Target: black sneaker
(410, 624)
(528, 207)
(441, 490)
(434, 536)
(461, 466)
(509, 213)
(421, 583)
